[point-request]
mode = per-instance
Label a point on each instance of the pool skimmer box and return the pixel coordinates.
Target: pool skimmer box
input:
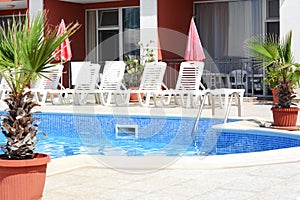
(126, 131)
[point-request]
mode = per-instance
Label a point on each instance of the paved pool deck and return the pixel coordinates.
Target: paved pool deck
(267, 175)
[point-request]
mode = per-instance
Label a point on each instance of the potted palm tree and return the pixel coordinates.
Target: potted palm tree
(26, 52)
(277, 54)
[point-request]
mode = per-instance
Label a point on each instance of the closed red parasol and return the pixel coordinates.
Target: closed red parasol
(63, 52)
(193, 51)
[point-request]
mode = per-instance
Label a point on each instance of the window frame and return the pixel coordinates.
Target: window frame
(98, 28)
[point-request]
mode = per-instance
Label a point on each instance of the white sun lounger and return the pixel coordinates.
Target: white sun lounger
(49, 86)
(151, 86)
(86, 83)
(111, 81)
(4, 88)
(189, 88)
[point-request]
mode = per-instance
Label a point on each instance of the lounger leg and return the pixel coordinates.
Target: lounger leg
(147, 101)
(165, 101)
(189, 101)
(124, 99)
(108, 98)
(176, 100)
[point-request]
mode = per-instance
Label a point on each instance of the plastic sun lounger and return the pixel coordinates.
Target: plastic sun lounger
(86, 83)
(111, 81)
(49, 86)
(150, 86)
(4, 88)
(226, 93)
(189, 88)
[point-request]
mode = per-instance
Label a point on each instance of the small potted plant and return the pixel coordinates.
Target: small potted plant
(135, 66)
(277, 53)
(27, 49)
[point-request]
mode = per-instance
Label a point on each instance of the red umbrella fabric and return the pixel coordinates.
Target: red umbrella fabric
(193, 50)
(64, 50)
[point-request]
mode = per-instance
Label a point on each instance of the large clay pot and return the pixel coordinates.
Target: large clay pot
(23, 179)
(285, 117)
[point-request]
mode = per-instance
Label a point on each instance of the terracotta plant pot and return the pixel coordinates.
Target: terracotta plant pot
(23, 179)
(134, 96)
(275, 94)
(285, 116)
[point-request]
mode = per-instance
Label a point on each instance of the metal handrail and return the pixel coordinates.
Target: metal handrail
(237, 95)
(200, 112)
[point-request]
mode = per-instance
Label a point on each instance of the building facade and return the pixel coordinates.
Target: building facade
(110, 30)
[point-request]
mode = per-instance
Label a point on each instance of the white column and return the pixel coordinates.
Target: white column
(290, 20)
(148, 24)
(35, 6)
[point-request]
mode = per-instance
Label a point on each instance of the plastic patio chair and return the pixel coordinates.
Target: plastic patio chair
(238, 79)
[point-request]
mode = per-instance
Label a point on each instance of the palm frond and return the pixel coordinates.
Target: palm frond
(28, 47)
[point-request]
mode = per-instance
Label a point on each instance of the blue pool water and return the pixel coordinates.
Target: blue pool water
(69, 134)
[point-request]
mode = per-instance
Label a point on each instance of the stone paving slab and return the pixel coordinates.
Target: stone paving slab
(259, 182)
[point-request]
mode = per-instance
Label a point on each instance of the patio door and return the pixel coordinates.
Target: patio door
(224, 28)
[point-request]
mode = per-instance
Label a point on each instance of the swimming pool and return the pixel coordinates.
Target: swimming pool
(69, 134)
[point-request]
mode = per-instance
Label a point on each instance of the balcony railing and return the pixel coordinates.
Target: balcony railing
(228, 72)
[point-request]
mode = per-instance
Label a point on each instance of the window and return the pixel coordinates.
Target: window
(131, 30)
(112, 33)
(273, 9)
(108, 18)
(272, 17)
(225, 26)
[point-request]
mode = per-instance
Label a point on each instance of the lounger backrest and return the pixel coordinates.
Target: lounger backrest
(112, 75)
(75, 69)
(189, 77)
(153, 75)
(53, 75)
(87, 77)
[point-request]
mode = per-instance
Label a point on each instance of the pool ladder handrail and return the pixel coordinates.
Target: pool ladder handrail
(200, 112)
(228, 106)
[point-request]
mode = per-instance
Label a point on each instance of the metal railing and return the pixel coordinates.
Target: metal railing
(223, 73)
(237, 96)
(206, 95)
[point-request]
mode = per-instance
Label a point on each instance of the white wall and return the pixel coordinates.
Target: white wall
(35, 6)
(290, 20)
(148, 23)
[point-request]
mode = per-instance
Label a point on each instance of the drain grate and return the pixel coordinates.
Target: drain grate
(126, 131)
